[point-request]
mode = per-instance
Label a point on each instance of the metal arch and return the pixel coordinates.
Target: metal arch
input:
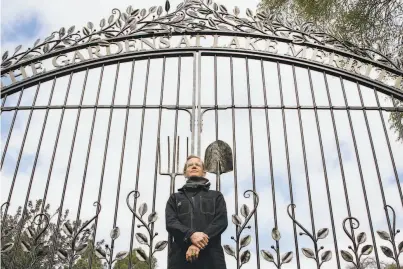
(190, 16)
(191, 52)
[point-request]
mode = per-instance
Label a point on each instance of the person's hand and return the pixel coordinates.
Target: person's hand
(199, 239)
(192, 253)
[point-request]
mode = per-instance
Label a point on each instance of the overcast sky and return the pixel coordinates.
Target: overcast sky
(25, 21)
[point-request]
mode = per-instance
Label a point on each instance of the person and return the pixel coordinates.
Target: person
(196, 217)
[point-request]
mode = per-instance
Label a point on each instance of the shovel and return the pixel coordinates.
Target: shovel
(218, 160)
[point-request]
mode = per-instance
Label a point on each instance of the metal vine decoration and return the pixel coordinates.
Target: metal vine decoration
(285, 258)
(142, 238)
(106, 253)
(189, 16)
(392, 239)
(245, 241)
(81, 236)
(357, 242)
(321, 234)
(34, 245)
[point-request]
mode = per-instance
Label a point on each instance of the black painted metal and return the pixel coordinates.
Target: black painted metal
(198, 111)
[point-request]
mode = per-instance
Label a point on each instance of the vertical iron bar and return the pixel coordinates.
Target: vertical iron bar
(308, 184)
(389, 147)
(176, 120)
(139, 156)
(122, 155)
(252, 161)
(288, 161)
(105, 152)
(234, 146)
(169, 157)
(20, 153)
(19, 228)
(273, 189)
(218, 183)
(3, 101)
(342, 173)
(193, 121)
(391, 231)
(322, 156)
(69, 159)
(234, 137)
(187, 146)
(124, 147)
(59, 128)
(11, 131)
(215, 97)
(360, 171)
(157, 149)
(199, 113)
(177, 154)
(89, 143)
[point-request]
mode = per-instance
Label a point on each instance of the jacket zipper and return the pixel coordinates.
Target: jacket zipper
(191, 214)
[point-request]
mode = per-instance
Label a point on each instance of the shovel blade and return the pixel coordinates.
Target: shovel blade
(218, 152)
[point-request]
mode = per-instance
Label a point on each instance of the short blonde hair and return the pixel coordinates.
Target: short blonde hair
(191, 157)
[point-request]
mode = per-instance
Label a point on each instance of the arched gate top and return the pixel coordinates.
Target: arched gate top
(196, 18)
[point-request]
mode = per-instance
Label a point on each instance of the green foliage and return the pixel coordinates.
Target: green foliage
(370, 23)
(20, 223)
(83, 261)
(136, 263)
(396, 121)
(374, 24)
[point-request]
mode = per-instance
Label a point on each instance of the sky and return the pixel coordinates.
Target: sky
(25, 21)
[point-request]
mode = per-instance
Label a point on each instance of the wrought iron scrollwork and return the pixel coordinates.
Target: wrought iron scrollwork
(241, 243)
(357, 242)
(189, 16)
(285, 258)
(321, 234)
(392, 239)
(142, 238)
(35, 246)
(82, 236)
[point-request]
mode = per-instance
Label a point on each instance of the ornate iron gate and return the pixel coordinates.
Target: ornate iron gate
(93, 118)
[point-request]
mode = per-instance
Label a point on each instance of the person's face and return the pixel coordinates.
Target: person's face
(194, 168)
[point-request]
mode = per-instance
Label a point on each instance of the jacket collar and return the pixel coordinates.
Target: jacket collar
(195, 183)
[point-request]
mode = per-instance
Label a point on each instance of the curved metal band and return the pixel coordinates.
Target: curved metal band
(189, 52)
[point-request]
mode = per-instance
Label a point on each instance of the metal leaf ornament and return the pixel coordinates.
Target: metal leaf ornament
(121, 255)
(229, 250)
(78, 239)
(243, 242)
(161, 245)
(141, 255)
(115, 233)
(357, 241)
(145, 239)
(285, 258)
(396, 250)
(314, 254)
(245, 211)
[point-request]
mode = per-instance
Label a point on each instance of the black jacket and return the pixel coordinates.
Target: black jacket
(198, 210)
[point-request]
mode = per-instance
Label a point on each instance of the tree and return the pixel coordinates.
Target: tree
(375, 24)
(370, 263)
(38, 238)
(33, 249)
